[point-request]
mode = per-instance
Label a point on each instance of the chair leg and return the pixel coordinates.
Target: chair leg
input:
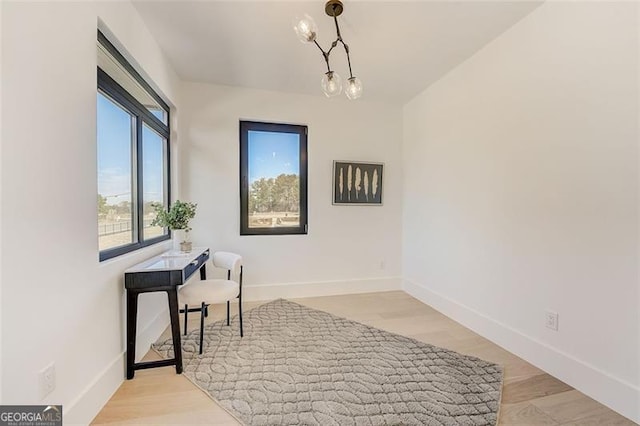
(186, 310)
(227, 312)
(201, 327)
(240, 312)
(206, 311)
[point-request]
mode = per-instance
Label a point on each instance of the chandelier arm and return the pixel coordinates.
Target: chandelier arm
(335, 19)
(334, 44)
(325, 55)
(339, 39)
(321, 49)
(346, 50)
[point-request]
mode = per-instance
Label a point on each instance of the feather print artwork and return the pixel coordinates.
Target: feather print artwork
(356, 183)
(374, 183)
(349, 183)
(366, 185)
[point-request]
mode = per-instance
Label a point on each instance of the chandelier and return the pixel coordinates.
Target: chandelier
(306, 29)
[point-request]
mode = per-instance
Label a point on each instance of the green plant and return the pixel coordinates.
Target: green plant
(177, 217)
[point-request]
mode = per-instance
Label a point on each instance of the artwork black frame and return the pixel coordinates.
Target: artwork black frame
(369, 194)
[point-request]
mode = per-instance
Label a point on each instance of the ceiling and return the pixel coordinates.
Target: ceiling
(397, 48)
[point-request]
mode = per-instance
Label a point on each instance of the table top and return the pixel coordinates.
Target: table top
(168, 261)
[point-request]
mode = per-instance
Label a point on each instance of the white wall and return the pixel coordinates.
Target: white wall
(521, 195)
(346, 244)
(59, 303)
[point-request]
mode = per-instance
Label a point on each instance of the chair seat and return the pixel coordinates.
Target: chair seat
(208, 291)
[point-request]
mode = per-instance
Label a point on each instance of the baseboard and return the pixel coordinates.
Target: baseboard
(615, 393)
(322, 288)
(91, 400)
(83, 409)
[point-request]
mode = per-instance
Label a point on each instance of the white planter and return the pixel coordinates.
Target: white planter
(181, 240)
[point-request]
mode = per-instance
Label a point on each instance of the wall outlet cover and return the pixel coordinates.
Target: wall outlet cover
(47, 380)
(551, 320)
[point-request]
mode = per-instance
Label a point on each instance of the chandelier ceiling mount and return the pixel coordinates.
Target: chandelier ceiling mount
(334, 8)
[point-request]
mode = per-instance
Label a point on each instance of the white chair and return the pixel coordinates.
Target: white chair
(197, 296)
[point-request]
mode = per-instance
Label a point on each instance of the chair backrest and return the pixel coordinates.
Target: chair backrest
(229, 261)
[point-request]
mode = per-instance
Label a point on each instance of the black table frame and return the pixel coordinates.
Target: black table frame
(167, 281)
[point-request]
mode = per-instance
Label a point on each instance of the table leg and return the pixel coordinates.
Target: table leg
(175, 327)
(203, 276)
(203, 272)
(132, 314)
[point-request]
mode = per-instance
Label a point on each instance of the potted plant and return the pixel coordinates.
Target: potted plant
(176, 219)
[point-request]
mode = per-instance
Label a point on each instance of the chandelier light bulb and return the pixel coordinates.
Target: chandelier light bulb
(305, 28)
(331, 84)
(354, 88)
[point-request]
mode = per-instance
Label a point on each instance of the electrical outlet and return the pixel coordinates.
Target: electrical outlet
(551, 320)
(47, 378)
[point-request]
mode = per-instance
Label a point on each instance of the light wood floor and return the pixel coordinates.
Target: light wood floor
(530, 396)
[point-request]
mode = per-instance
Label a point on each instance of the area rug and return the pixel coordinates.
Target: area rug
(301, 366)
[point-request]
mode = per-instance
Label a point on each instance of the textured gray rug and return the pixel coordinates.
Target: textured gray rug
(300, 366)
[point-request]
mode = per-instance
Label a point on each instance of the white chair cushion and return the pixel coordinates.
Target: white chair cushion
(207, 291)
(227, 260)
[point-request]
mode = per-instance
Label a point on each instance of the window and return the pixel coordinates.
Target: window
(273, 179)
(133, 156)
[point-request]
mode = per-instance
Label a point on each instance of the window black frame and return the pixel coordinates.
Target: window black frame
(302, 132)
(110, 88)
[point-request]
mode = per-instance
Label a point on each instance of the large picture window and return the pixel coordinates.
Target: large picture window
(273, 179)
(133, 156)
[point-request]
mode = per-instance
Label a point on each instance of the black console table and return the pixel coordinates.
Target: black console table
(161, 273)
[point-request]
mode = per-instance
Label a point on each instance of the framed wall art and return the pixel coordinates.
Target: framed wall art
(357, 183)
